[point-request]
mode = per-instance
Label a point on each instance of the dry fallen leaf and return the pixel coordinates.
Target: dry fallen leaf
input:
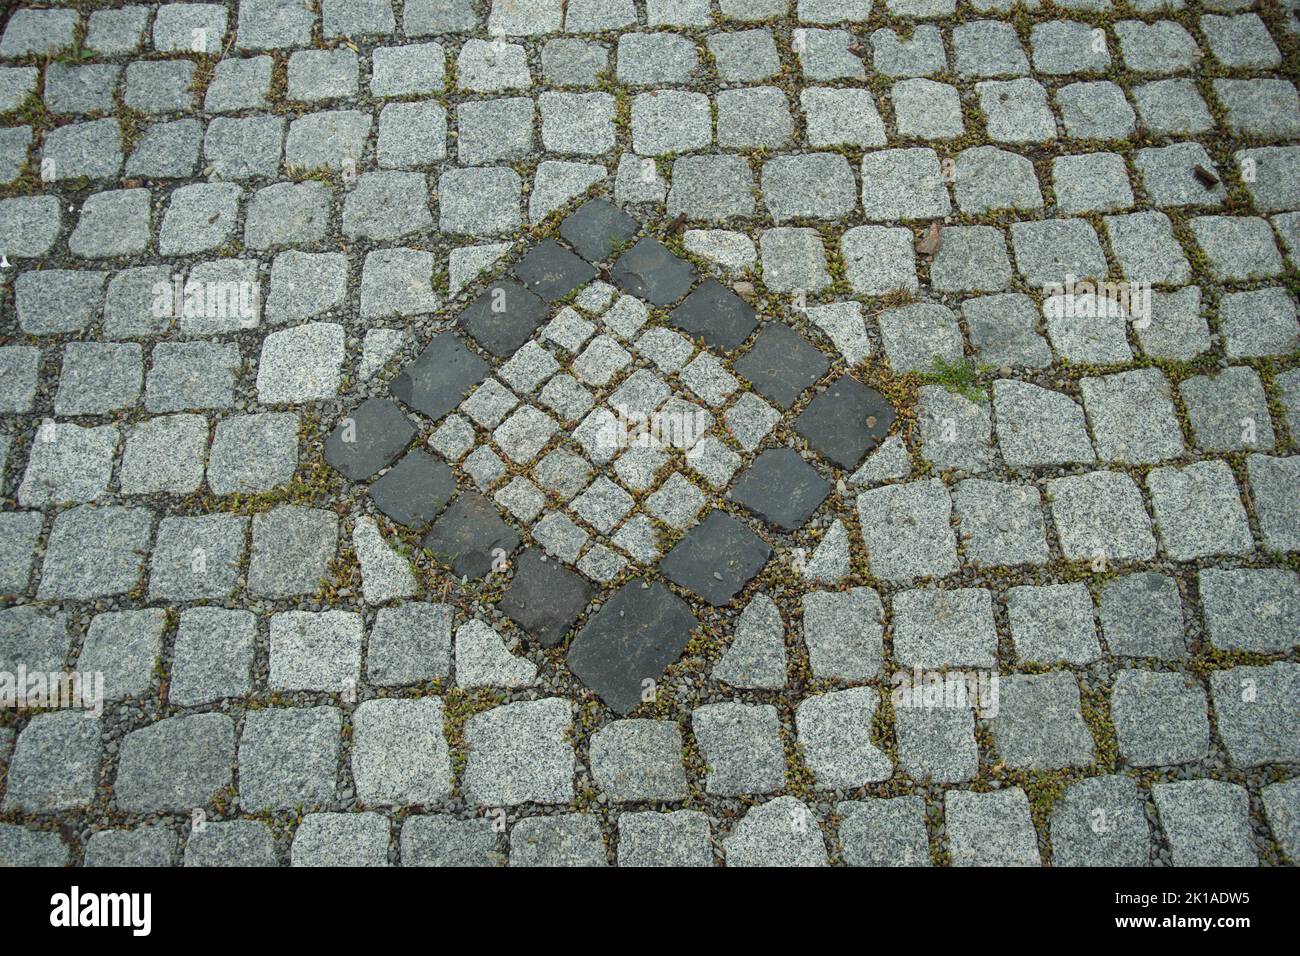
(931, 241)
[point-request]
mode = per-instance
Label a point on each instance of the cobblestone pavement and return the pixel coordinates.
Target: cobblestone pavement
(651, 432)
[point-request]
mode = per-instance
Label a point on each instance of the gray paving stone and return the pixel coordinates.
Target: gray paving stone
(903, 184)
(670, 121)
(20, 846)
(826, 55)
(399, 752)
(877, 259)
(411, 135)
(841, 117)
(1207, 822)
(38, 32)
(91, 149)
(479, 201)
(434, 840)
(744, 56)
(199, 217)
(1172, 107)
(176, 764)
(1095, 111)
(37, 784)
(332, 140)
(1273, 183)
(197, 557)
(1274, 483)
(1254, 712)
(1198, 511)
(1101, 821)
(1052, 623)
(781, 832)
(95, 552)
(884, 832)
(213, 656)
(34, 638)
(567, 840)
(987, 179)
(936, 742)
(160, 86)
(1249, 609)
(1169, 177)
(315, 650)
(1258, 323)
(1001, 524)
(1228, 411)
(1280, 801)
(288, 214)
(519, 753)
(1147, 251)
(493, 67)
(68, 464)
(794, 260)
(1016, 111)
(288, 758)
(1133, 417)
(1237, 247)
(191, 375)
(253, 452)
(655, 59)
(811, 186)
(319, 75)
(111, 224)
(51, 301)
(30, 224)
(1056, 250)
(1039, 724)
(756, 118)
(741, 746)
(1142, 616)
(835, 734)
(1160, 718)
(270, 24)
(167, 150)
(126, 647)
(937, 627)
(919, 53)
(1100, 516)
(990, 829)
(712, 188)
(291, 551)
(19, 533)
(843, 633)
(341, 839)
(239, 84)
(988, 48)
(97, 378)
(153, 846)
(634, 760)
(1003, 330)
(698, 562)
(956, 433)
(483, 659)
(230, 843)
(677, 839)
(756, 657)
(907, 531)
(1037, 426)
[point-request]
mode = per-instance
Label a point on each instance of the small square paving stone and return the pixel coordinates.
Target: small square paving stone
(29, 224)
(677, 839)
(197, 557)
(1198, 511)
(1240, 41)
(903, 184)
(782, 832)
(253, 453)
(501, 319)
(812, 186)
(213, 658)
(634, 636)
(1160, 718)
(57, 300)
(38, 32)
(411, 135)
(1282, 809)
(92, 149)
(436, 381)
(111, 224)
(125, 646)
(836, 117)
(842, 631)
(416, 69)
(38, 784)
(397, 282)
(497, 66)
(239, 843)
(19, 532)
(844, 421)
(835, 735)
(1228, 411)
(315, 650)
(1255, 712)
(781, 364)
(1054, 250)
(916, 336)
(1274, 183)
(1142, 616)
(318, 75)
(387, 205)
(1259, 323)
(572, 62)
(744, 56)
(1037, 426)
(479, 202)
(305, 285)
(711, 188)
(520, 753)
(714, 313)
(552, 272)
(1016, 111)
(633, 760)
(741, 746)
(937, 627)
(877, 260)
(409, 644)
(1168, 174)
(1101, 821)
(176, 764)
(937, 743)
(435, 840)
(794, 260)
(341, 839)
(1039, 723)
(1053, 622)
(160, 86)
(1145, 246)
(68, 463)
(753, 119)
(490, 131)
(399, 752)
(287, 214)
(1207, 822)
(292, 549)
(598, 229)
(95, 552)
(168, 150)
(1275, 494)
(781, 488)
(199, 217)
(34, 638)
(826, 55)
(271, 24)
(650, 271)
(1001, 524)
(1172, 107)
(239, 84)
(563, 840)
(920, 54)
(189, 28)
(970, 259)
(986, 48)
(1133, 417)
(20, 367)
(469, 536)
(990, 829)
(880, 832)
(1092, 182)
(716, 558)
(1087, 328)
(1251, 609)
(927, 110)
(369, 438)
(544, 598)
(415, 491)
(1095, 111)
(331, 140)
(907, 532)
(301, 364)
(988, 178)
(656, 59)
(1237, 247)
(98, 377)
(152, 845)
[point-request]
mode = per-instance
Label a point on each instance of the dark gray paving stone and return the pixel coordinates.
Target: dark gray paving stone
(846, 421)
(650, 271)
(635, 635)
(503, 317)
(717, 558)
(552, 272)
(781, 365)
(544, 598)
(437, 380)
(781, 488)
(415, 491)
(598, 229)
(469, 535)
(368, 439)
(716, 314)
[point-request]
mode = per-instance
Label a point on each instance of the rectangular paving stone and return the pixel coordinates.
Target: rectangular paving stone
(95, 552)
(288, 757)
(316, 650)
